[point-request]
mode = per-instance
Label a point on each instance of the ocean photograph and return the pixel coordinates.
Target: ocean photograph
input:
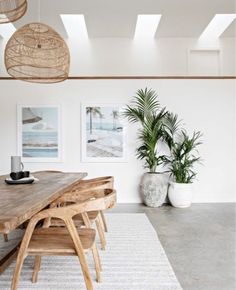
(40, 132)
(104, 132)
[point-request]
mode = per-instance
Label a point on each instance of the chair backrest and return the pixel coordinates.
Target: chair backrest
(105, 198)
(102, 178)
(81, 196)
(90, 185)
(93, 182)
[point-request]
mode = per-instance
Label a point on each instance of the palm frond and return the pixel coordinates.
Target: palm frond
(171, 128)
(146, 100)
(182, 160)
(133, 114)
(143, 104)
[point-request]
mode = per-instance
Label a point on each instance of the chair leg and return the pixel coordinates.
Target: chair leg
(104, 221)
(5, 237)
(97, 262)
(101, 233)
(22, 253)
(16, 275)
(37, 264)
(86, 220)
(80, 252)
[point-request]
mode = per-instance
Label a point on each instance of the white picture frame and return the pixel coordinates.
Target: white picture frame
(108, 136)
(39, 133)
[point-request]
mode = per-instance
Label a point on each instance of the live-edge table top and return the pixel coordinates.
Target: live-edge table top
(19, 203)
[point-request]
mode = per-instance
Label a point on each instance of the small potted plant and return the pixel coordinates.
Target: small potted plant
(183, 157)
(145, 110)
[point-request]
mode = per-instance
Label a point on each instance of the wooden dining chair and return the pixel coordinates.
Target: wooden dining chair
(63, 241)
(84, 183)
(87, 183)
(101, 178)
(82, 194)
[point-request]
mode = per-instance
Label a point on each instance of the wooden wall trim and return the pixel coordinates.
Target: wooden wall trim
(133, 77)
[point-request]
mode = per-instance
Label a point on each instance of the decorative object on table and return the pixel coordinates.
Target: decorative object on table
(37, 53)
(12, 10)
(145, 110)
(103, 133)
(25, 180)
(19, 175)
(16, 164)
(183, 157)
(39, 134)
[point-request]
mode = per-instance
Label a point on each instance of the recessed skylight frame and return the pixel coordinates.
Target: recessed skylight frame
(75, 25)
(146, 25)
(6, 30)
(218, 24)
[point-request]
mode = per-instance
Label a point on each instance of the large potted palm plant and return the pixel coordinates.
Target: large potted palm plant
(181, 162)
(145, 110)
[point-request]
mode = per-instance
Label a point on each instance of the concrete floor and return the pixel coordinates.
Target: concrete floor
(199, 242)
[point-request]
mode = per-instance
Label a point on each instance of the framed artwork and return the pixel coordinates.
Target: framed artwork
(39, 133)
(103, 133)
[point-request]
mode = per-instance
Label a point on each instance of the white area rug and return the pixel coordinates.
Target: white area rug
(134, 260)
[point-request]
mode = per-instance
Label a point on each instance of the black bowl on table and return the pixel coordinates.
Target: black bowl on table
(19, 175)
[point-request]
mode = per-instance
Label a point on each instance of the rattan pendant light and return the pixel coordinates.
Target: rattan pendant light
(12, 10)
(37, 53)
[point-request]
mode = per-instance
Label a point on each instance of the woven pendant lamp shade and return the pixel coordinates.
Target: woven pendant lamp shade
(12, 10)
(37, 53)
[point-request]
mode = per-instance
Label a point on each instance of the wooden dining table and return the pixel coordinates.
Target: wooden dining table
(18, 203)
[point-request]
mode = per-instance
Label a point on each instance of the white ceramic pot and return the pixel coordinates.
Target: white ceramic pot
(180, 194)
(153, 188)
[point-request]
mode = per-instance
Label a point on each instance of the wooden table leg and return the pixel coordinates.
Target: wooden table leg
(5, 237)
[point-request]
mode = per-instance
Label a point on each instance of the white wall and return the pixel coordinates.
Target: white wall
(125, 56)
(206, 105)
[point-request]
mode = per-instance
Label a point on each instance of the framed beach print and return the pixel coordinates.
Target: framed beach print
(103, 133)
(39, 133)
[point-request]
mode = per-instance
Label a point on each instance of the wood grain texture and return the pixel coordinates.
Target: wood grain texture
(131, 77)
(57, 241)
(20, 202)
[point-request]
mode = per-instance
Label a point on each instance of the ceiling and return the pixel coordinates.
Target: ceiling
(117, 18)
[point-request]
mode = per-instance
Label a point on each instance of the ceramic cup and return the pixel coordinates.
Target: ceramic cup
(16, 164)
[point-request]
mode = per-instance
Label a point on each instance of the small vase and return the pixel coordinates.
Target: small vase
(180, 194)
(153, 188)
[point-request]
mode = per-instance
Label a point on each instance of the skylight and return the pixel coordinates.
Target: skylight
(146, 25)
(218, 24)
(7, 29)
(75, 25)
